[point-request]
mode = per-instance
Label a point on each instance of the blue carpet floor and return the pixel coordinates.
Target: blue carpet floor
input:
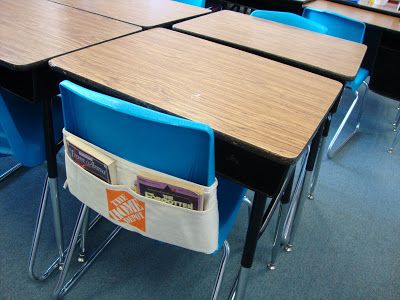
(347, 245)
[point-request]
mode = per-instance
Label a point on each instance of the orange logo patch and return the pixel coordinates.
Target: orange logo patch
(123, 207)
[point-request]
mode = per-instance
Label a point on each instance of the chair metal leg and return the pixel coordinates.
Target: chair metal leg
(9, 172)
(221, 271)
(332, 152)
(82, 254)
(396, 120)
(57, 222)
(395, 140)
(36, 237)
(62, 289)
(249, 204)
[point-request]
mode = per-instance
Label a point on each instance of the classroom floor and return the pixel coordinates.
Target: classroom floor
(347, 246)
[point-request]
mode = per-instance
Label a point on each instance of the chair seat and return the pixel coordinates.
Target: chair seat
(362, 74)
(230, 198)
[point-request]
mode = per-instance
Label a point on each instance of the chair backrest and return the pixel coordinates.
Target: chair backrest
(165, 143)
(21, 129)
(289, 19)
(338, 25)
(199, 3)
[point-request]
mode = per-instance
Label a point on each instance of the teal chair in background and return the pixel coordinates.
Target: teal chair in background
(289, 19)
(353, 30)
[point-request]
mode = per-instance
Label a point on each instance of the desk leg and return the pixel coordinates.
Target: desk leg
(304, 190)
(282, 213)
(41, 92)
(256, 217)
(315, 173)
(52, 172)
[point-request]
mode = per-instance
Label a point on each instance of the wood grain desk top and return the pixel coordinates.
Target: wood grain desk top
(33, 31)
(144, 13)
(363, 15)
(270, 108)
(323, 54)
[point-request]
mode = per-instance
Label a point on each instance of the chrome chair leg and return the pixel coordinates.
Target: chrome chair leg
(249, 204)
(397, 119)
(36, 237)
(10, 171)
(395, 140)
(221, 271)
(62, 289)
(331, 152)
(82, 254)
(57, 222)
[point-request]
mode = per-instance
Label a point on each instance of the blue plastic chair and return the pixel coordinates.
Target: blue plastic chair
(289, 19)
(349, 29)
(21, 129)
(136, 134)
(199, 3)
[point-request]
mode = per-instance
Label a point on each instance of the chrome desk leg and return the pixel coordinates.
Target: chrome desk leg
(317, 168)
(320, 153)
(395, 140)
(277, 241)
(41, 90)
(257, 225)
(82, 254)
(298, 211)
(332, 152)
(282, 213)
(221, 271)
(10, 171)
(293, 205)
(295, 213)
(250, 246)
(62, 289)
